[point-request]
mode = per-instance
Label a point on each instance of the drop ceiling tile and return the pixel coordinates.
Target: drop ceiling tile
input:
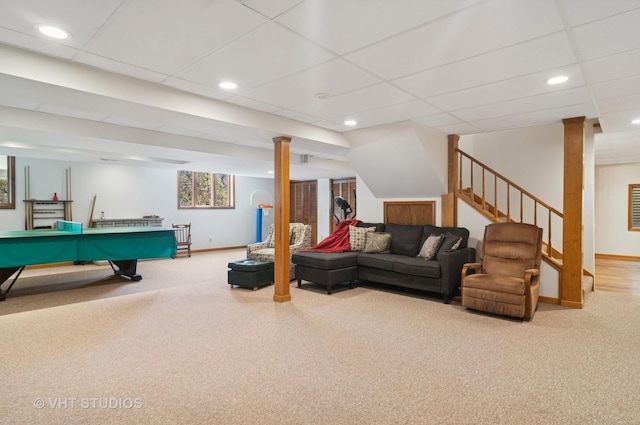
(364, 99)
(583, 11)
(13, 38)
(617, 88)
(119, 67)
(389, 114)
(271, 8)
(619, 121)
(575, 96)
(440, 43)
(622, 35)
(632, 135)
(332, 78)
(525, 86)
(609, 68)
(460, 129)
(536, 118)
(627, 143)
(544, 53)
(80, 18)
(343, 26)
(619, 104)
(264, 55)
(168, 36)
(438, 120)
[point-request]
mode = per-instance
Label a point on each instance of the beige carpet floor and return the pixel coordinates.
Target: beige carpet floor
(79, 346)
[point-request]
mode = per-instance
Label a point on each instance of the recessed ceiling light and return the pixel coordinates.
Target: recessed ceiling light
(350, 123)
(227, 85)
(636, 121)
(558, 80)
(53, 32)
(270, 172)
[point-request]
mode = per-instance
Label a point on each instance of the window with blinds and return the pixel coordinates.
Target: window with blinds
(634, 207)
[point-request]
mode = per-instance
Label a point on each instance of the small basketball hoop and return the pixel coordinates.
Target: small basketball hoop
(262, 201)
(265, 208)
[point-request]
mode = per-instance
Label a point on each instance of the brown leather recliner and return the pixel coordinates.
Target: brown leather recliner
(507, 280)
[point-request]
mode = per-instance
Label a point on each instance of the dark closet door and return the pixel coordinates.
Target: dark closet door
(304, 205)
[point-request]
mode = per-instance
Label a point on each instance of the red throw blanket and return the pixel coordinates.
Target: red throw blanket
(338, 241)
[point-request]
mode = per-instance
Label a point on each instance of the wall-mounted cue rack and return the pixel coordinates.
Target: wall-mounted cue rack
(43, 213)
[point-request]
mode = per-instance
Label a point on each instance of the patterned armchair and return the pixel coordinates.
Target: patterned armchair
(299, 239)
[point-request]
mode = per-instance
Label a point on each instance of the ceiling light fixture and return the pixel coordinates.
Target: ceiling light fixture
(558, 80)
(350, 123)
(53, 32)
(636, 121)
(228, 85)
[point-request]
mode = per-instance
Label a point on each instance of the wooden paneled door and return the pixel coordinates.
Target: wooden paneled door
(347, 189)
(304, 206)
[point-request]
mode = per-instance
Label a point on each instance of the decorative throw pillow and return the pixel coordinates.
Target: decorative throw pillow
(430, 247)
(377, 242)
(450, 243)
(357, 237)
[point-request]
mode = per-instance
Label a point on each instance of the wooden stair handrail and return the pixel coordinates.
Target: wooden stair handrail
(482, 204)
(506, 180)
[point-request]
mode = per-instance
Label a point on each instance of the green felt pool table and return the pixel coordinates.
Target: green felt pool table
(121, 246)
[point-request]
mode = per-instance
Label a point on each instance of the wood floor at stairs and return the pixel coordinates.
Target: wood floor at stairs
(618, 276)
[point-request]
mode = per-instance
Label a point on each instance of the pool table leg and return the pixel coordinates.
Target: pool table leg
(126, 268)
(5, 274)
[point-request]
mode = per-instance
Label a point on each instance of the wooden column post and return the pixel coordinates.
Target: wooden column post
(449, 204)
(281, 216)
(572, 224)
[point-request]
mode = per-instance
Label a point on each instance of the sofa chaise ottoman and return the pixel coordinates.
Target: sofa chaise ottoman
(405, 263)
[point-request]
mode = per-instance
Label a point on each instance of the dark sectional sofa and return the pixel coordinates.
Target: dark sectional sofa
(399, 267)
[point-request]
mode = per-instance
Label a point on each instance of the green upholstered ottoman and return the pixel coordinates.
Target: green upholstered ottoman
(250, 274)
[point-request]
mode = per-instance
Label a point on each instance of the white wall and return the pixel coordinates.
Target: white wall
(531, 157)
(611, 210)
(401, 160)
(129, 192)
